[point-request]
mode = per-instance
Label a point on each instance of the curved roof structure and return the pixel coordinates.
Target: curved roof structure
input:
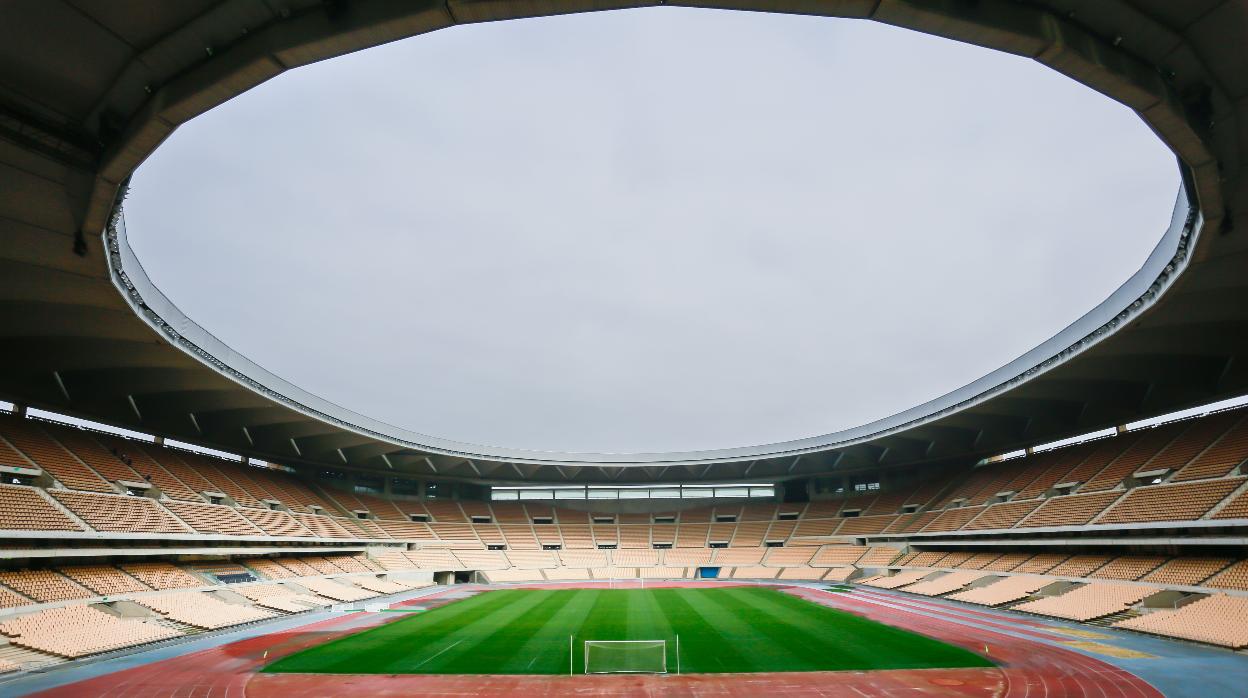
(91, 89)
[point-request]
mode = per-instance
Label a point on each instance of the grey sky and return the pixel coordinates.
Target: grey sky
(650, 230)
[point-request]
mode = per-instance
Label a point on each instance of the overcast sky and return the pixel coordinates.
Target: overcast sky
(650, 230)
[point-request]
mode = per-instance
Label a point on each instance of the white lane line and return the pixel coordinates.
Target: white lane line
(438, 654)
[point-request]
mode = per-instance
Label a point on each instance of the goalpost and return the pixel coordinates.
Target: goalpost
(626, 656)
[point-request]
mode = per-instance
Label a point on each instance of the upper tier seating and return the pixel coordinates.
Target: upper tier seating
(141, 463)
(1182, 502)
(275, 523)
(1003, 515)
(953, 519)
(84, 446)
(1224, 454)
(41, 449)
(214, 518)
(1186, 571)
(1196, 438)
(1051, 468)
(43, 585)
(24, 509)
(1070, 510)
(1145, 445)
(118, 513)
(160, 575)
(103, 580)
(1099, 457)
(1236, 508)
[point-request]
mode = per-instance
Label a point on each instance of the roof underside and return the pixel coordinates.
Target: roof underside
(90, 88)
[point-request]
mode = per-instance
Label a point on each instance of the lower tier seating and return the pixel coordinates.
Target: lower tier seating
(76, 631)
(1089, 602)
(201, 610)
(1217, 620)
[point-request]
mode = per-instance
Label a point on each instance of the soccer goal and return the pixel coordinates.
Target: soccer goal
(626, 656)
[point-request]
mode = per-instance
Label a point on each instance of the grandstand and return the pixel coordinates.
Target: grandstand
(1084, 506)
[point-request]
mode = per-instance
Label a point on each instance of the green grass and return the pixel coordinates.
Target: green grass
(726, 630)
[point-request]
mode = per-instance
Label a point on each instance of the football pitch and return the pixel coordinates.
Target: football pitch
(724, 630)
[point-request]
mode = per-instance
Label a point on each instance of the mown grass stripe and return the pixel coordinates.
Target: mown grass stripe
(547, 649)
(706, 647)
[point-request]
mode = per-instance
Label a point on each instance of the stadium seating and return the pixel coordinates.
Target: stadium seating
(1088, 602)
(1216, 619)
(12, 599)
(103, 580)
(23, 509)
(1186, 571)
(43, 585)
(333, 590)
(944, 584)
(116, 513)
(280, 598)
(898, 580)
(1003, 591)
(1069, 510)
(39, 448)
(76, 631)
(160, 575)
(213, 519)
(1178, 502)
(1187, 471)
(200, 610)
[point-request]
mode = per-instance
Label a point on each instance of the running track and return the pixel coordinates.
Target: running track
(1030, 666)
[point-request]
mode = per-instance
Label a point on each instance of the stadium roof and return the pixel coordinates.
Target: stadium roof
(91, 89)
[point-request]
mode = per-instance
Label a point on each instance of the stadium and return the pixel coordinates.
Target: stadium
(176, 519)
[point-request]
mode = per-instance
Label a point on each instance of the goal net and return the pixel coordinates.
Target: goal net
(625, 656)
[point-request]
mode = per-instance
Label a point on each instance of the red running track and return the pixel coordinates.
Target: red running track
(1027, 668)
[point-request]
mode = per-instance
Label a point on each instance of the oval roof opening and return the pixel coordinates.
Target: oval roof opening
(650, 230)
